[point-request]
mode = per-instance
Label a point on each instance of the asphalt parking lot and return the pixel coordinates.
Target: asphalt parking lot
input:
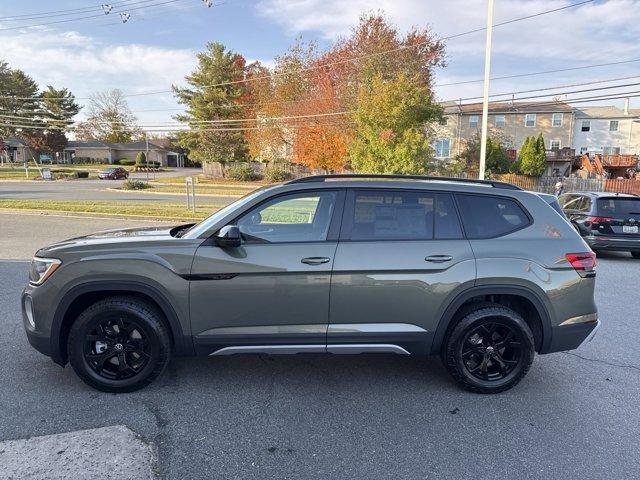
(576, 415)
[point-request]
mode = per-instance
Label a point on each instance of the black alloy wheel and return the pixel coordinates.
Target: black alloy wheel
(119, 344)
(490, 349)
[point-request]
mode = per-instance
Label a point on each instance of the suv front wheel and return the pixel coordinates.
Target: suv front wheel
(490, 350)
(119, 344)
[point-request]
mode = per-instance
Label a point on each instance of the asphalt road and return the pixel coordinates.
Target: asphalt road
(97, 190)
(576, 415)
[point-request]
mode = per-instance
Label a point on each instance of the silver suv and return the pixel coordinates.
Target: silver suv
(479, 272)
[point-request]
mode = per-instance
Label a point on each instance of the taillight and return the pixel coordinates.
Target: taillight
(583, 263)
(595, 221)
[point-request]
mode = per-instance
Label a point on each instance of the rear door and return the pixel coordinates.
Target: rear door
(401, 255)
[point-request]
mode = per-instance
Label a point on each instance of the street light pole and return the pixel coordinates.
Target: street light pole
(485, 95)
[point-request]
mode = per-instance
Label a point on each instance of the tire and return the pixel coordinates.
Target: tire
(480, 369)
(635, 255)
(119, 344)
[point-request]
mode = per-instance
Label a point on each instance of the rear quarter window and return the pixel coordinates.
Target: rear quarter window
(485, 216)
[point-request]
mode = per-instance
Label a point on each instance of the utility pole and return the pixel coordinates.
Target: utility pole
(146, 157)
(485, 95)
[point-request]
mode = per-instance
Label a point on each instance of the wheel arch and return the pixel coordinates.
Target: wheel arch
(450, 315)
(81, 296)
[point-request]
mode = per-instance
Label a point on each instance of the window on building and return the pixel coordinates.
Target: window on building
(586, 126)
(500, 121)
(613, 125)
(555, 144)
(442, 146)
(583, 150)
(473, 121)
(556, 120)
(611, 150)
(530, 120)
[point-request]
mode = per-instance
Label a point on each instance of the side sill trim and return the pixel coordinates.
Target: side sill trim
(343, 349)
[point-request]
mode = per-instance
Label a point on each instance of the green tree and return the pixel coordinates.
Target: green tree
(141, 158)
(497, 160)
(213, 96)
(532, 157)
(109, 119)
(389, 132)
(19, 100)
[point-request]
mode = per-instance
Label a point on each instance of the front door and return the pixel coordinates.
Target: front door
(271, 294)
(401, 255)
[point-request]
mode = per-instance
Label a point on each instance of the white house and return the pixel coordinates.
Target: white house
(607, 130)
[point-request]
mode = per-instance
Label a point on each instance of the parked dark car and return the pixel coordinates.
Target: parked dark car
(605, 220)
(113, 173)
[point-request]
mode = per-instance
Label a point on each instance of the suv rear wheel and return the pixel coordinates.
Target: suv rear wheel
(490, 350)
(119, 344)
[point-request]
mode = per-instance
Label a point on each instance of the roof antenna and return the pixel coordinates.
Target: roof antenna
(107, 8)
(124, 16)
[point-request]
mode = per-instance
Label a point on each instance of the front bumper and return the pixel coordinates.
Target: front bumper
(613, 243)
(39, 340)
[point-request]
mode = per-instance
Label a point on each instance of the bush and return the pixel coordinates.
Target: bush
(135, 185)
(276, 173)
(241, 173)
(126, 162)
(141, 158)
(89, 161)
(83, 174)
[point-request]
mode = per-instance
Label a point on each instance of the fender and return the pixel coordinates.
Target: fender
(183, 345)
(461, 298)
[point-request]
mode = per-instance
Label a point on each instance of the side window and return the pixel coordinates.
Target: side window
(403, 215)
(300, 217)
(487, 217)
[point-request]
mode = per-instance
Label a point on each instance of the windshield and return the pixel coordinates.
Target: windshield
(618, 207)
(199, 228)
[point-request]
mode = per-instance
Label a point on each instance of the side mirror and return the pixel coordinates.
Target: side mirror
(229, 236)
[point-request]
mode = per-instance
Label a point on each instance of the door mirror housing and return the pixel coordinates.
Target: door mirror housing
(229, 236)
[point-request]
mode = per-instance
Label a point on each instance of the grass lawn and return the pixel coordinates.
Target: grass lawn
(204, 189)
(221, 182)
(17, 173)
(154, 210)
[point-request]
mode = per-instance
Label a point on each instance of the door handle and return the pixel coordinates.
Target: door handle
(315, 260)
(438, 258)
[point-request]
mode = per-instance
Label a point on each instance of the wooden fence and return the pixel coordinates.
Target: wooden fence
(572, 184)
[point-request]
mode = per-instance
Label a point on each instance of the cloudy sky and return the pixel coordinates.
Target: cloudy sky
(72, 43)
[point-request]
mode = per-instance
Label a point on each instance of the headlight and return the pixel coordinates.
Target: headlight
(41, 269)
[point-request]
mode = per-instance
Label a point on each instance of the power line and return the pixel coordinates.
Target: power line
(68, 11)
(125, 10)
(544, 72)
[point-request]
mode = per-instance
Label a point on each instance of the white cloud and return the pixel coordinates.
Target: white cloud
(85, 65)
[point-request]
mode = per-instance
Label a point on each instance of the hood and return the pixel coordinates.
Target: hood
(115, 237)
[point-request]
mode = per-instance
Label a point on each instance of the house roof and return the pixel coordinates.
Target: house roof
(87, 144)
(509, 107)
(607, 111)
(14, 142)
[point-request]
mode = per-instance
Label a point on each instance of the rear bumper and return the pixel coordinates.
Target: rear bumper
(613, 243)
(572, 336)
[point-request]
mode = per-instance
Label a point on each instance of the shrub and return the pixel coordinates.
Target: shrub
(126, 162)
(276, 173)
(241, 172)
(135, 185)
(141, 158)
(83, 174)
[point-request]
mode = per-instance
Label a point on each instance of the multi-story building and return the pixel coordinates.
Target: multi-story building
(509, 122)
(607, 130)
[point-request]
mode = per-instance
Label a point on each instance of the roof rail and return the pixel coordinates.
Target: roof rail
(322, 178)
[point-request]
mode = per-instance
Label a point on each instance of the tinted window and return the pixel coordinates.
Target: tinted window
(576, 203)
(487, 217)
(289, 218)
(396, 215)
(618, 207)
